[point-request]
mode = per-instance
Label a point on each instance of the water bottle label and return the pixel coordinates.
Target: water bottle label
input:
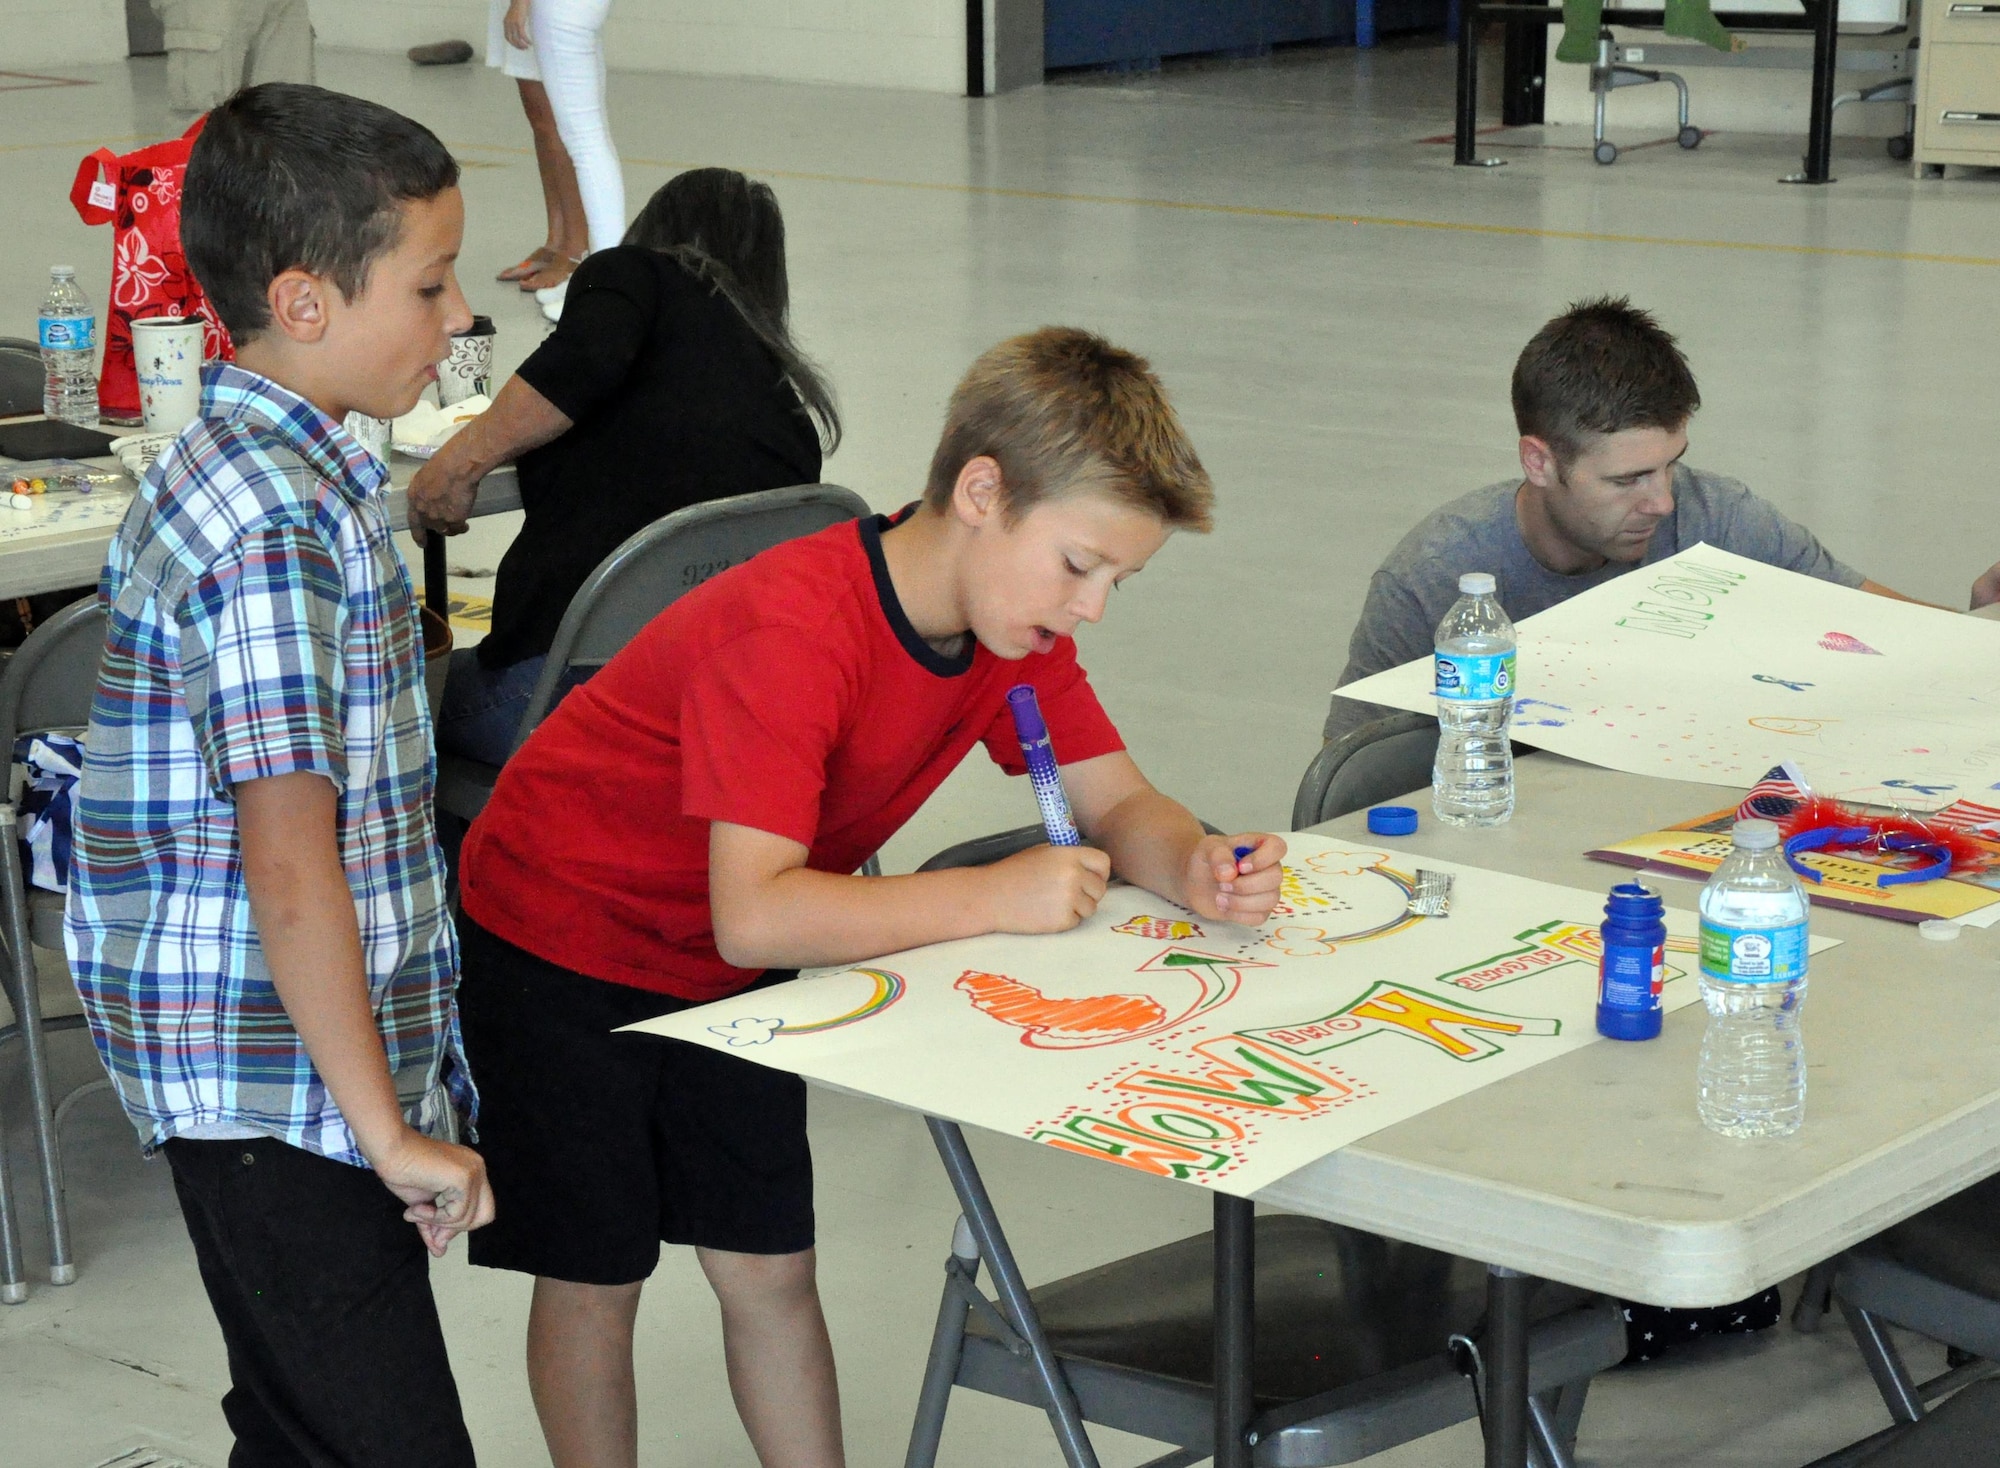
(1475, 678)
(69, 333)
(1753, 955)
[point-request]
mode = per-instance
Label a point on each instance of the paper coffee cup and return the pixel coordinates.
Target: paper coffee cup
(469, 368)
(167, 353)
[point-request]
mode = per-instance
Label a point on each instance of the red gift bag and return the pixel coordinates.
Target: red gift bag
(140, 194)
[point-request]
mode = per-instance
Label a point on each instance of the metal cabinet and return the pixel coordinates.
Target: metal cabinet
(1958, 86)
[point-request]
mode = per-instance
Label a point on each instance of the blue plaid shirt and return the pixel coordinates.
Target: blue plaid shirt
(261, 623)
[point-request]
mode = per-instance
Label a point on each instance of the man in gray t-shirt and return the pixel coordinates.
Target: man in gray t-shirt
(1602, 397)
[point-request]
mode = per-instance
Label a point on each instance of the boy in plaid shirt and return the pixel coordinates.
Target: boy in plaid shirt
(257, 921)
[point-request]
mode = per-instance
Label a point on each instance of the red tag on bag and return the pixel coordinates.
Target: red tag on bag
(139, 194)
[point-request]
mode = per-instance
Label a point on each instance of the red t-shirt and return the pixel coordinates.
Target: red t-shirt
(789, 694)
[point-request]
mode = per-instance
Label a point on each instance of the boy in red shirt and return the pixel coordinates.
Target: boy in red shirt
(683, 827)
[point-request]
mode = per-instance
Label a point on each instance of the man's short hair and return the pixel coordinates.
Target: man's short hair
(1601, 367)
(1062, 410)
(289, 176)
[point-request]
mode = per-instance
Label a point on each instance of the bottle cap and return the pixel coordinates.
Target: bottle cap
(1755, 835)
(1939, 930)
(1392, 820)
(62, 272)
(1634, 899)
(1477, 583)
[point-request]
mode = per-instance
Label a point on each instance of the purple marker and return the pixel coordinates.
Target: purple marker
(1042, 771)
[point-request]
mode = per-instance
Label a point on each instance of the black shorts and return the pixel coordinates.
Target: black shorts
(602, 1146)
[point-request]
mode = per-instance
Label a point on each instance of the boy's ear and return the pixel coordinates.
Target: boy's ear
(1538, 462)
(979, 494)
(298, 302)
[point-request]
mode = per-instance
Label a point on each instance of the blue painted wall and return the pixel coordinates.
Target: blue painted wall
(1097, 32)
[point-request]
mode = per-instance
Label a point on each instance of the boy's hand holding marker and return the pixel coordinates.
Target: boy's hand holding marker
(1235, 879)
(1048, 889)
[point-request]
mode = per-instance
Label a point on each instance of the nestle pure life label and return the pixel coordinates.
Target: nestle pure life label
(1753, 955)
(1475, 677)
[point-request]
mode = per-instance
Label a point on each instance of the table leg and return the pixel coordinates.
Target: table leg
(1467, 120)
(1064, 1415)
(437, 577)
(1466, 123)
(1506, 1367)
(1819, 118)
(1235, 1329)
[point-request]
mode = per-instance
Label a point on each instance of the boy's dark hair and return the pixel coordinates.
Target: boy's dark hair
(1062, 410)
(1601, 367)
(285, 175)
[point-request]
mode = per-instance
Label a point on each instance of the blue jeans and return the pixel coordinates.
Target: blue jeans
(482, 706)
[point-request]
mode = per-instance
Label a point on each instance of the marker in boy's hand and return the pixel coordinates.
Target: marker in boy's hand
(1048, 889)
(1235, 878)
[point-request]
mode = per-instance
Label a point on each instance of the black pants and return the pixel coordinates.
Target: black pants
(323, 1293)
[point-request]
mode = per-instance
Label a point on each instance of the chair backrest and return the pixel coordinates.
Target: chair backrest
(52, 677)
(985, 850)
(21, 377)
(669, 558)
(1381, 759)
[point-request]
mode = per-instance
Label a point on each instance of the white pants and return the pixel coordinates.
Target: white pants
(569, 54)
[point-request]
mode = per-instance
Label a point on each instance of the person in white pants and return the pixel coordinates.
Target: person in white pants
(564, 41)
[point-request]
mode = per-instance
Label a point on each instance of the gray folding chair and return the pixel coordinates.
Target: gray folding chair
(1327, 1344)
(638, 581)
(21, 377)
(1382, 759)
(1937, 1274)
(47, 686)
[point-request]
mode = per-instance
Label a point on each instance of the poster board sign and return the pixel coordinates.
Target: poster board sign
(1710, 667)
(1218, 1055)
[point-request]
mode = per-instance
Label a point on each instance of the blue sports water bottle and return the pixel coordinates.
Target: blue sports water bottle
(1634, 963)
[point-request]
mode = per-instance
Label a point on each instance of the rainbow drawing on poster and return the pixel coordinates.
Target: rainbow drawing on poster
(1199, 1050)
(1709, 667)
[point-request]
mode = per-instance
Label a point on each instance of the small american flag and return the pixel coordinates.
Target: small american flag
(1777, 795)
(1968, 815)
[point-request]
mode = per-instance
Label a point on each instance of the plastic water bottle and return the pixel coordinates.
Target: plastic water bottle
(1752, 1076)
(69, 350)
(1472, 783)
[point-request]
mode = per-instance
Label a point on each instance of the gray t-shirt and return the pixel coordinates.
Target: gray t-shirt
(1414, 588)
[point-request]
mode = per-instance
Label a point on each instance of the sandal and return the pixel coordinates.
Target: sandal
(539, 259)
(554, 273)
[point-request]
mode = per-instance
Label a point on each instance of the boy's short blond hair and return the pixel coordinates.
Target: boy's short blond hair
(1062, 410)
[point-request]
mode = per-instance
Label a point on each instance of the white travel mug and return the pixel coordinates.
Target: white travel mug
(167, 351)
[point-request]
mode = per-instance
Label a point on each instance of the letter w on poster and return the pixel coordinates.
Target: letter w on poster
(1219, 1055)
(1713, 668)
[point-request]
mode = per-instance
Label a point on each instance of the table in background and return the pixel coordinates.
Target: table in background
(62, 557)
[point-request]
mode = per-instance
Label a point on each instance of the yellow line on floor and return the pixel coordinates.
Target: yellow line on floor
(1379, 221)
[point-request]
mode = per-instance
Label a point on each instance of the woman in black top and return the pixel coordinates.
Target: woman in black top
(672, 379)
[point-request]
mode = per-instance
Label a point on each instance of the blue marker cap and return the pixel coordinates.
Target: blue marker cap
(1392, 820)
(1028, 721)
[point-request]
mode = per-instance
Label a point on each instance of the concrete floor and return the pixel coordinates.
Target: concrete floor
(1336, 310)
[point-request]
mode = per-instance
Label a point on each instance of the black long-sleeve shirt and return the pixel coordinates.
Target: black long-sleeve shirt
(674, 401)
